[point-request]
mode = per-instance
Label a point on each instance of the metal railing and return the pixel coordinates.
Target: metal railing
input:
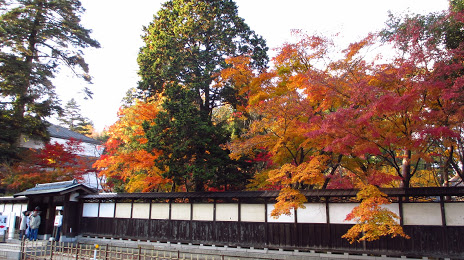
(43, 250)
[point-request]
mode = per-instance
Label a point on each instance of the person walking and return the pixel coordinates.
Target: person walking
(34, 224)
(23, 225)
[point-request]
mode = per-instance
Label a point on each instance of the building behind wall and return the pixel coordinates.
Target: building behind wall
(92, 150)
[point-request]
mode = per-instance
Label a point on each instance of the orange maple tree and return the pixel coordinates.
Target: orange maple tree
(127, 164)
(369, 214)
(317, 121)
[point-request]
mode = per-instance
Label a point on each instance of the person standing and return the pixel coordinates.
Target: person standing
(28, 225)
(23, 226)
(34, 224)
(58, 223)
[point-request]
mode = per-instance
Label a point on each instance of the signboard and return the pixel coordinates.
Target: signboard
(58, 220)
(3, 224)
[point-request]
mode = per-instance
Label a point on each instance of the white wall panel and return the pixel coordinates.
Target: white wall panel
(203, 211)
(160, 211)
(338, 212)
(123, 210)
(24, 207)
(313, 213)
(2, 207)
(395, 208)
(17, 209)
(8, 208)
(454, 213)
(282, 218)
(180, 211)
(252, 212)
(90, 210)
(107, 210)
(422, 214)
(89, 149)
(227, 212)
(141, 210)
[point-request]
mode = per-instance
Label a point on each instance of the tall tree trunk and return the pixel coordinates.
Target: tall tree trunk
(446, 168)
(406, 168)
(21, 96)
(332, 172)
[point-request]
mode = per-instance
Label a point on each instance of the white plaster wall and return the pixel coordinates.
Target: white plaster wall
(8, 208)
(90, 179)
(160, 211)
(89, 149)
(312, 213)
(29, 143)
(17, 209)
(180, 211)
(338, 212)
(454, 214)
(141, 210)
(426, 214)
(90, 210)
(123, 210)
(107, 210)
(93, 150)
(203, 211)
(395, 208)
(227, 212)
(252, 212)
(282, 218)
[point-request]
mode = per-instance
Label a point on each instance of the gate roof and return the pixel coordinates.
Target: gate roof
(55, 188)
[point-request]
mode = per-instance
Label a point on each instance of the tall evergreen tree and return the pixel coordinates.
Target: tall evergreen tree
(72, 119)
(191, 153)
(37, 37)
(185, 49)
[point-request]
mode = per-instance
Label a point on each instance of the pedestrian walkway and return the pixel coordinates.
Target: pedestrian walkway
(234, 252)
(11, 248)
(118, 249)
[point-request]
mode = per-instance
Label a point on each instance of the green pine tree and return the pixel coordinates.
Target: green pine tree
(37, 37)
(72, 119)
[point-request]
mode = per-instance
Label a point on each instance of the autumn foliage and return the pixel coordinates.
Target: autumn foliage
(127, 165)
(369, 214)
(322, 117)
(54, 162)
(352, 118)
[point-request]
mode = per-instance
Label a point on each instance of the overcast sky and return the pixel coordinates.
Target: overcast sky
(118, 24)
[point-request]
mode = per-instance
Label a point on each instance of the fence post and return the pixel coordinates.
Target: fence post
(21, 252)
(77, 251)
(95, 252)
(106, 252)
(51, 250)
(140, 253)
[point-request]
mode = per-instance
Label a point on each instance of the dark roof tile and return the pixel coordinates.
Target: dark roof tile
(433, 191)
(63, 133)
(54, 187)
